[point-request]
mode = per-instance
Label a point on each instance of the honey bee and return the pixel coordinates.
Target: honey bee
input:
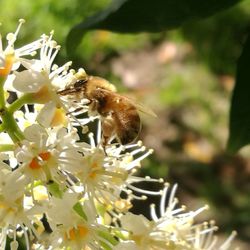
(119, 114)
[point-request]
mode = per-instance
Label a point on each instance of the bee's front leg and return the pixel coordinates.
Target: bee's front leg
(93, 105)
(108, 130)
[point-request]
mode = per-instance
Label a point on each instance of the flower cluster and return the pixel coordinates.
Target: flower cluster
(60, 186)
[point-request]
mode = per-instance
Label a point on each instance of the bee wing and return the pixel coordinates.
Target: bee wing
(140, 107)
(144, 109)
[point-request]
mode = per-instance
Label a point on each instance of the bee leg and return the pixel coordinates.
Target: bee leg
(108, 130)
(104, 144)
(76, 110)
(67, 91)
(93, 105)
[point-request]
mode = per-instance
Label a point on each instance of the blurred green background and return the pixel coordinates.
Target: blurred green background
(186, 76)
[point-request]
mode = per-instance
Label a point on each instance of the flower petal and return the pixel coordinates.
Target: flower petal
(29, 81)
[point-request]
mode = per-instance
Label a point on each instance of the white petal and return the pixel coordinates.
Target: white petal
(34, 133)
(127, 245)
(33, 64)
(9, 83)
(138, 224)
(46, 114)
(29, 81)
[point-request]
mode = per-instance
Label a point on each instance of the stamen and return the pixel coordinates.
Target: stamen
(11, 37)
(172, 200)
(153, 212)
(52, 58)
(91, 140)
(141, 149)
(143, 191)
(136, 197)
(21, 22)
(58, 70)
(29, 49)
(213, 243)
(138, 160)
(178, 210)
(209, 240)
(14, 245)
(26, 237)
(229, 240)
(99, 132)
(3, 238)
(163, 200)
(200, 210)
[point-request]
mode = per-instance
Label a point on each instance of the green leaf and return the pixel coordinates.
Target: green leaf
(239, 127)
(146, 16)
(79, 210)
(108, 237)
(54, 189)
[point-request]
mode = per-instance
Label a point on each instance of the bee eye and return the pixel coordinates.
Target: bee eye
(79, 83)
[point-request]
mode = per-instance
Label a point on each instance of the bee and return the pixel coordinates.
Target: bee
(119, 114)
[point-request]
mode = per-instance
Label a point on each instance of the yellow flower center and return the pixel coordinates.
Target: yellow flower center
(36, 162)
(74, 233)
(43, 95)
(94, 169)
(45, 156)
(9, 59)
(59, 118)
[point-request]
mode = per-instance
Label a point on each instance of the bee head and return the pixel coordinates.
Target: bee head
(80, 84)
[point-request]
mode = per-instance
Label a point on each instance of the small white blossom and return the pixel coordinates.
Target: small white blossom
(39, 72)
(40, 152)
(75, 226)
(11, 58)
(105, 174)
(13, 213)
(174, 229)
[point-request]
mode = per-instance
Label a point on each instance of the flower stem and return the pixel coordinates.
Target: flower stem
(2, 128)
(2, 99)
(10, 125)
(7, 147)
(17, 104)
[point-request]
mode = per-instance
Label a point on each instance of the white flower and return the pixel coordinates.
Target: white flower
(13, 214)
(51, 115)
(40, 152)
(11, 58)
(39, 72)
(105, 174)
(65, 216)
(173, 229)
(11, 195)
(42, 79)
(75, 225)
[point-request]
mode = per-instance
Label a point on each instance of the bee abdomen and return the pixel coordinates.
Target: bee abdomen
(128, 125)
(128, 136)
